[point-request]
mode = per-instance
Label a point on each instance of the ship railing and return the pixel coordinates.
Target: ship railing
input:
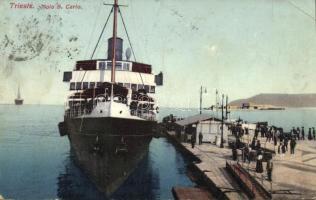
(144, 114)
(76, 111)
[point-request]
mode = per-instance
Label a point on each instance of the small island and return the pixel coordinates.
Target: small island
(275, 101)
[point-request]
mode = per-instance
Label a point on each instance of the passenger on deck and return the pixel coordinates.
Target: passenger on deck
(314, 136)
(303, 133)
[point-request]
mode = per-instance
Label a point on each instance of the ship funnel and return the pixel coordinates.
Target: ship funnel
(119, 48)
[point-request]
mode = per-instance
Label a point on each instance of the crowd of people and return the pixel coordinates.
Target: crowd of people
(282, 141)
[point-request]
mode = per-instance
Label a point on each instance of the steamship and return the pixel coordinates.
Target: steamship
(110, 113)
(18, 100)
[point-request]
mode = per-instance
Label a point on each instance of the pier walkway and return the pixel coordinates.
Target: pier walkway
(212, 169)
(293, 176)
(213, 166)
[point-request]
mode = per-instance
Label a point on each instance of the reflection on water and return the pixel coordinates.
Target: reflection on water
(74, 184)
(161, 169)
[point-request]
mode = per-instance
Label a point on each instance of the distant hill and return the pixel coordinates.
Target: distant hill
(282, 100)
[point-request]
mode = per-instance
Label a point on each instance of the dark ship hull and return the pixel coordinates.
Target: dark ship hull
(18, 101)
(108, 149)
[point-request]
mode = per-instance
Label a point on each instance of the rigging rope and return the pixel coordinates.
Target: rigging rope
(101, 34)
(129, 41)
(301, 10)
(97, 42)
(92, 31)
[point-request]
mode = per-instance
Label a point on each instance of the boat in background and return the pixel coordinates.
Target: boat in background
(18, 100)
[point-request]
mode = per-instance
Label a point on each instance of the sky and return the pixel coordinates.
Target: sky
(239, 47)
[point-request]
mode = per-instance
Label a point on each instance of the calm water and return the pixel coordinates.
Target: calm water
(35, 162)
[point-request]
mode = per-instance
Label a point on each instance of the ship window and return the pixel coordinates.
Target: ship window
(126, 66)
(152, 89)
(140, 86)
(134, 87)
(102, 65)
(72, 86)
(127, 85)
(78, 86)
(99, 84)
(118, 66)
(85, 85)
(120, 84)
(147, 88)
(108, 66)
(92, 85)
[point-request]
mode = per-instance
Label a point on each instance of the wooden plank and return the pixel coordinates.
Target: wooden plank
(191, 193)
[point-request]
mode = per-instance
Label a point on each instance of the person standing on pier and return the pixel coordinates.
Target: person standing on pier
(298, 132)
(275, 139)
(258, 145)
(286, 142)
(253, 143)
(314, 135)
(269, 170)
(303, 133)
(246, 153)
(309, 137)
(294, 133)
(283, 150)
(269, 135)
(200, 138)
(292, 146)
(193, 140)
(259, 167)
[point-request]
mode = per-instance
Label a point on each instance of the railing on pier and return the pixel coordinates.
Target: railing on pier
(251, 186)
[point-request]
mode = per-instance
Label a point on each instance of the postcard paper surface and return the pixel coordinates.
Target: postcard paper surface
(139, 99)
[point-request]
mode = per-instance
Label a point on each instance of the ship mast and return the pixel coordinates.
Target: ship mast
(19, 95)
(115, 6)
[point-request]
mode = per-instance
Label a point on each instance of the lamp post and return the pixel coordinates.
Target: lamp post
(222, 127)
(201, 93)
(226, 108)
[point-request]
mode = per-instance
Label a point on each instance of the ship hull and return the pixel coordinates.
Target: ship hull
(18, 101)
(109, 149)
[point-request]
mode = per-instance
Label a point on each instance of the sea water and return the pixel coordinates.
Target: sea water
(35, 162)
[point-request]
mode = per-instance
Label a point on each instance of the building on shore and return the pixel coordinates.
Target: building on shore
(254, 106)
(208, 125)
